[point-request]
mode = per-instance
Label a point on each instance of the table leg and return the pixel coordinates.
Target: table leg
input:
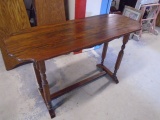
(38, 76)
(118, 62)
(120, 56)
(46, 93)
(104, 52)
(143, 9)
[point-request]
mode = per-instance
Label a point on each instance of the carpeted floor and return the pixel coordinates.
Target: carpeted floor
(136, 97)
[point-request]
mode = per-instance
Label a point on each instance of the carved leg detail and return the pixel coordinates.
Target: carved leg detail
(38, 76)
(120, 55)
(104, 52)
(45, 86)
(118, 62)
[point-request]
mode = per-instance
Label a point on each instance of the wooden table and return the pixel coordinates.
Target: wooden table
(158, 20)
(42, 43)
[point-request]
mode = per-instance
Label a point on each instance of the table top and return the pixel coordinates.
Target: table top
(45, 42)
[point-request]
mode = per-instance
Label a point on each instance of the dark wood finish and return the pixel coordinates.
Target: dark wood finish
(13, 18)
(104, 52)
(49, 11)
(108, 72)
(38, 76)
(45, 86)
(77, 85)
(119, 59)
(158, 20)
(120, 55)
(44, 42)
(9, 62)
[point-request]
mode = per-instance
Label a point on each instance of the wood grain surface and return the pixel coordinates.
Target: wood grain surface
(158, 20)
(13, 18)
(45, 42)
(49, 11)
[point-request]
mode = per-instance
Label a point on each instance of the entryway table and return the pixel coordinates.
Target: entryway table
(41, 43)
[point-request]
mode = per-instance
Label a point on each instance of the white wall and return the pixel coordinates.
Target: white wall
(71, 8)
(93, 7)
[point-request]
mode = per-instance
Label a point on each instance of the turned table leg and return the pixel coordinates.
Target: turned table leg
(38, 76)
(46, 93)
(120, 56)
(104, 52)
(118, 62)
